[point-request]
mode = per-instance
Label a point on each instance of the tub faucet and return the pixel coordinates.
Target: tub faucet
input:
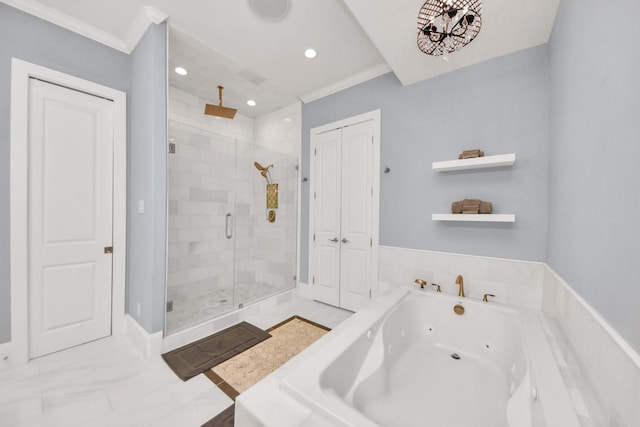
(421, 282)
(460, 282)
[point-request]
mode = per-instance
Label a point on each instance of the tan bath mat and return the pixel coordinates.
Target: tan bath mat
(242, 371)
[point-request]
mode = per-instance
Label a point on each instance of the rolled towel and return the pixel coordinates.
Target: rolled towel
(471, 206)
(456, 207)
(472, 203)
(486, 208)
(470, 154)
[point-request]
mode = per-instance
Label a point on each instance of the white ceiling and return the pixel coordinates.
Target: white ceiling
(224, 42)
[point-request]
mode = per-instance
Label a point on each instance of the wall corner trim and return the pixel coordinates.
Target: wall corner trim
(146, 16)
(617, 338)
(149, 345)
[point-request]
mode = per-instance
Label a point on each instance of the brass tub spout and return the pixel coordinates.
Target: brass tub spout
(460, 282)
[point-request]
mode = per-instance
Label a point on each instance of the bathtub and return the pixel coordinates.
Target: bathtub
(410, 360)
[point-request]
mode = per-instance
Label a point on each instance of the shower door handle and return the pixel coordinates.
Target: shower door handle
(228, 226)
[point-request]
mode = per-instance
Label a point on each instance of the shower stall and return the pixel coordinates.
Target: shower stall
(223, 251)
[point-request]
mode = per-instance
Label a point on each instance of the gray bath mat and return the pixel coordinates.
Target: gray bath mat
(195, 358)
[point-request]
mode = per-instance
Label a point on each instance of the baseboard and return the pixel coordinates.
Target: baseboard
(149, 344)
(304, 290)
(194, 333)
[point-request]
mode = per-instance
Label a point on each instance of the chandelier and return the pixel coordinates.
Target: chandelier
(446, 26)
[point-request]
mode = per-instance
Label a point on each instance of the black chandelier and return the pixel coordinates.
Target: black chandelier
(445, 26)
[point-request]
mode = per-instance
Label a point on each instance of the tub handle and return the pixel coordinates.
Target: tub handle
(485, 297)
(228, 226)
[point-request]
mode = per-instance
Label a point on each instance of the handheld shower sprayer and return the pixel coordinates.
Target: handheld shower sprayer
(264, 171)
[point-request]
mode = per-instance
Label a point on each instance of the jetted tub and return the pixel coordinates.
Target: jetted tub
(410, 360)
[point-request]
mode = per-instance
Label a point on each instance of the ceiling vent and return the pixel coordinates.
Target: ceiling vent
(270, 10)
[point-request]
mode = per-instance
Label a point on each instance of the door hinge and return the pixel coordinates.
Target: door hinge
(372, 191)
(369, 293)
(371, 242)
(108, 249)
(314, 237)
(314, 194)
(315, 151)
(313, 282)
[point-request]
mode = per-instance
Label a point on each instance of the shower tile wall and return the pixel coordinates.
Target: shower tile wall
(277, 141)
(210, 174)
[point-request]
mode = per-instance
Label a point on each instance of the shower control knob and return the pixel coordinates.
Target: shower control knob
(334, 240)
(344, 241)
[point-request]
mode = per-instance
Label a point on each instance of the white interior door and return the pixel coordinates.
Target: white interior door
(356, 207)
(70, 195)
(342, 204)
(326, 149)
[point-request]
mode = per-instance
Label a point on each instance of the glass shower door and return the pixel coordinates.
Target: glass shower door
(202, 220)
(223, 252)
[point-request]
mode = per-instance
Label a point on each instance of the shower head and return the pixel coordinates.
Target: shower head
(219, 110)
(263, 170)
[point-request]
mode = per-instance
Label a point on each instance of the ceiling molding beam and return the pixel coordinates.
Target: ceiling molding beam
(145, 17)
(358, 78)
(72, 24)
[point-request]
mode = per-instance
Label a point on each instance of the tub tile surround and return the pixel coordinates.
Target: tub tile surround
(601, 371)
(607, 368)
(511, 281)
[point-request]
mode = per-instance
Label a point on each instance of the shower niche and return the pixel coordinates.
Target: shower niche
(223, 252)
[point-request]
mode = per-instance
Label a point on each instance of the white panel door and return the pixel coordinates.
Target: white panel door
(70, 217)
(356, 208)
(326, 155)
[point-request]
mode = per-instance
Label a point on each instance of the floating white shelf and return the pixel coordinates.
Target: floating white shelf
(474, 217)
(475, 163)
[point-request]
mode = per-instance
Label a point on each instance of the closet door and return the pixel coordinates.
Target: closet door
(326, 158)
(355, 218)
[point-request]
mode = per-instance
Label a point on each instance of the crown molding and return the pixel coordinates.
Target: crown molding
(144, 18)
(358, 78)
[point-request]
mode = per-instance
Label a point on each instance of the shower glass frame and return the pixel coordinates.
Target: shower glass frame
(222, 253)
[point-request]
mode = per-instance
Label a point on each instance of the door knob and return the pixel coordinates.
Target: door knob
(344, 240)
(335, 240)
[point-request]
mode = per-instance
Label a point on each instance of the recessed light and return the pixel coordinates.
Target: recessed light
(310, 53)
(180, 70)
(251, 103)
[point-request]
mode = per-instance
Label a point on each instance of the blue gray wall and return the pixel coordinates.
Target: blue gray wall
(143, 76)
(31, 39)
(147, 180)
(500, 106)
(594, 232)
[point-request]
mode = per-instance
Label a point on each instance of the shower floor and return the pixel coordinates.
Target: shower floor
(192, 311)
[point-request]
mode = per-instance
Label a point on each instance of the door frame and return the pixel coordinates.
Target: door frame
(21, 72)
(375, 207)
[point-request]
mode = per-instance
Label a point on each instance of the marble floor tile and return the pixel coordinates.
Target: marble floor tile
(107, 383)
